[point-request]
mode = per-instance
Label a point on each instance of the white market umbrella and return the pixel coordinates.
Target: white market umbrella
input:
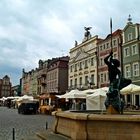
(74, 94)
(59, 96)
(131, 88)
(88, 91)
(10, 97)
(105, 89)
(136, 89)
(3, 99)
(25, 97)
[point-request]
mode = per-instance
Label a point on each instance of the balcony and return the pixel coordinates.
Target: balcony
(43, 73)
(43, 82)
(82, 87)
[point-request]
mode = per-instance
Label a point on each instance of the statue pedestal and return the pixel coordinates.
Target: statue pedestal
(111, 110)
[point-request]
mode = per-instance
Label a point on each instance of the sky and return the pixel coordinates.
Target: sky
(31, 30)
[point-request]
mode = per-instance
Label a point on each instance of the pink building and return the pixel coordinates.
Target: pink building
(104, 48)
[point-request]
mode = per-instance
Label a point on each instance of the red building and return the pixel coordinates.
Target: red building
(57, 75)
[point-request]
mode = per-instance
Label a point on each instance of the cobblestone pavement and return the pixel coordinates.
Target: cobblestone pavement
(24, 125)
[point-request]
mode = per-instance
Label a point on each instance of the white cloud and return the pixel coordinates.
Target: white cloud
(40, 29)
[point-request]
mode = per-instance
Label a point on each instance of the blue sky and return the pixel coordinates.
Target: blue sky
(42, 29)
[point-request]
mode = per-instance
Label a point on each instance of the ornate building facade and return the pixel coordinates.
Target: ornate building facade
(51, 76)
(131, 51)
(131, 58)
(57, 75)
(29, 82)
(83, 63)
(5, 86)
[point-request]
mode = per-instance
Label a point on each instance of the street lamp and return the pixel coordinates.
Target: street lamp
(90, 82)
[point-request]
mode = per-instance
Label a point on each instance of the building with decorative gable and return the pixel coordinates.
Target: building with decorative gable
(5, 86)
(83, 63)
(131, 51)
(131, 58)
(29, 82)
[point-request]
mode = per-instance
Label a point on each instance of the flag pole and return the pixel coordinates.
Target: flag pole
(111, 33)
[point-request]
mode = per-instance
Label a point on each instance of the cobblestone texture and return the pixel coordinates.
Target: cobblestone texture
(24, 125)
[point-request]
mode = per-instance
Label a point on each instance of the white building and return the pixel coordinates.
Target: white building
(83, 63)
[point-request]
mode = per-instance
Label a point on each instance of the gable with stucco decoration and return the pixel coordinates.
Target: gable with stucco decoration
(80, 55)
(128, 26)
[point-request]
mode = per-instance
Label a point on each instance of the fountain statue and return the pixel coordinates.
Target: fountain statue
(117, 82)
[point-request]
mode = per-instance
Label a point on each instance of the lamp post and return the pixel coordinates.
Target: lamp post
(97, 64)
(90, 82)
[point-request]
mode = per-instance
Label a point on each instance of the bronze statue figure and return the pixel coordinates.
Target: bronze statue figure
(117, 82)
(87, 33)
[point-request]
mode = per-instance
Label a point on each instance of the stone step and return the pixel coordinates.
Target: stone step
(31, 138)
(50, 135)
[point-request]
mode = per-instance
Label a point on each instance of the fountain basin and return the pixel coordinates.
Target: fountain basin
(88, 126)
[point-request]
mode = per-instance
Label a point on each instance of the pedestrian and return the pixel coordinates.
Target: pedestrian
(122, 105)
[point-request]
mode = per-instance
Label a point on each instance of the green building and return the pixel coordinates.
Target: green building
(131, 59)
(131, 51)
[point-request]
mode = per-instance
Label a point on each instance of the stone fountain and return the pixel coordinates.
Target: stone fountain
(109, 125)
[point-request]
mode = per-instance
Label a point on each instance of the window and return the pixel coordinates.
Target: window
(107, 45)
(92, 61)
(114, 42)
(86, 64)
(135, 69)
(101, 62)
(71, 82)
(127, 71)
(115, 55)
(92, 79)
(75, 82)
(134, 49)
(55, 74)
(104, 46)
(80, 80)
(75, 67)
(126, 52)
(70, 68)
(105, 77)
(129, 36)
(102, 79)
(80, 66)
(101, 48)
(86, 80)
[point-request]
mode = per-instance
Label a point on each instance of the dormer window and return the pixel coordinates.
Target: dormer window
(129, 36)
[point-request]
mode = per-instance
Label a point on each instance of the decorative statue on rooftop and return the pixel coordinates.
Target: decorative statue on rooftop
(117, 82)
(87, 33)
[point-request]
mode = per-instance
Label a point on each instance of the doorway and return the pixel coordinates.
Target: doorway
(137, 100)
